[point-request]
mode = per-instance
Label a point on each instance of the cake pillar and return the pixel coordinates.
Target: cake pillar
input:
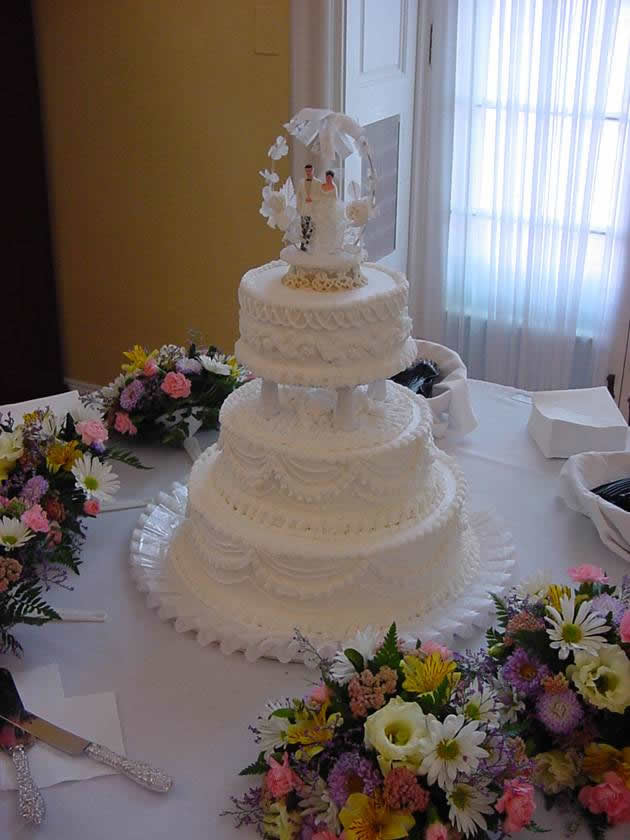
(344, 411)
(377, 390)
(270, 401)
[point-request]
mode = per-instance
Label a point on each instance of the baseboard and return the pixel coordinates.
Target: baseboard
(80, 386)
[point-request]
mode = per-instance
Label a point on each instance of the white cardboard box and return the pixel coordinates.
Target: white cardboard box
(565, 423)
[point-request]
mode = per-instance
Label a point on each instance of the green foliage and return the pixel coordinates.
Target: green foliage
(355, 658)
(432, 702)
(388, 654)
(257, 768)
(536, 829)
(22, 604)
(501, 610)
(284, 713)
(116, 454)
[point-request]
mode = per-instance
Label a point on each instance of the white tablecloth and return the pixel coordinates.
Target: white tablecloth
(187, 708)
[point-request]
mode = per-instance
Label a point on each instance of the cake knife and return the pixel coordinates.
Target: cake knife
(138, 771)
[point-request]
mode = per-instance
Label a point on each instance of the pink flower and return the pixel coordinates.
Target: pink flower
(624, 627)
(326, 834)
(611, 797)
(518, 805)
(435, 647)
(123, 424)
(55, 535)
(319, 694)
(91, 507)
(150, 368)
(587, 573)
(35, 518)
(176, 385)
(280, 778)
(437, 831)
(92, 431)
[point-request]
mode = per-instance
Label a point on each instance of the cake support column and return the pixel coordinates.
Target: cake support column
(345, 418)
(377, 390)
(270, 401)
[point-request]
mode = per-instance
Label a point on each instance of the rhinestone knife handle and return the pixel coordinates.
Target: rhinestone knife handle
(138, 771)
(31, 803)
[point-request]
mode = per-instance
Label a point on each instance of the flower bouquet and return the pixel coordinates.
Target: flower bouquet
(53, 474)
(398, 740)
(562, 654)
(168, 394)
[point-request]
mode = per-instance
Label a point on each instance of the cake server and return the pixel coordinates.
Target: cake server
(138, 771)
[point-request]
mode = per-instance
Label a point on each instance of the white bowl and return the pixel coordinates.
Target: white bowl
(450, 402)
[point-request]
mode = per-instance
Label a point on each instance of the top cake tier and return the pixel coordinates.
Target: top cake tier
(330, 340)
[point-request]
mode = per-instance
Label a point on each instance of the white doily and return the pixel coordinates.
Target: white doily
(166, 592)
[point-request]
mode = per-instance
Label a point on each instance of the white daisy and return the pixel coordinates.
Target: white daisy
(451, 746)
(481, 706)
(213, 366)
(467, 807)
(366, 642)
(14, 533)
(271, 730)
(83, 412)
(96, 478)
(536, 585)
(570, 632)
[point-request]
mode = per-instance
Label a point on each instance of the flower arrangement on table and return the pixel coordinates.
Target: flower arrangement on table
(399, 740)
(53, 474)
(168, 394)
(563, 654)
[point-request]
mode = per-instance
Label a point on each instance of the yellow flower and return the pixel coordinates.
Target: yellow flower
(62, 455)
(233, 365)
(603, 680)
(423, 677)
(367, 818)
(602, 758)
(138, 357)
(395, 732)
(555, 592)
(556, 770)
(280, 823)
(10, 450)
(312, 729)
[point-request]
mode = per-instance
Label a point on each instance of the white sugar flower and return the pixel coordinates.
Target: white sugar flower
(97, 479)
(468, 804)
(451, 746)
(570, 632)
(366, 642)
(536, 585)
(213, 366)
(359, 212)
(270, 177)
(278, 206)
(14, 533)
(481, 706)
(279, 149)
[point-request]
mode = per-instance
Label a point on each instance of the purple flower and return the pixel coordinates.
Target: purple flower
(131, 394)
(561, 712)
(605, 603)
(352, 773)
(34, 489)
(524, 672)
(188, 366)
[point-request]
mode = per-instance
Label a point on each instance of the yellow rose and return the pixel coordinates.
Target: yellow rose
(395, 732)
(10, 450)
(603, 680)
(556, 770)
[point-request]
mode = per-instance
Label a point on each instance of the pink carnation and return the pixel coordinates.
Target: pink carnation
(588, 573)
(319, 694)
(325, 834)
(624, 627)
(35, 518)
(518, 805)
(55, 535)
(436, 647)
(123, 424)
(176, 385)
(92, 431)
(91, 507)
(437, 831)
(280, 778)
(150, 368)
(611, 797)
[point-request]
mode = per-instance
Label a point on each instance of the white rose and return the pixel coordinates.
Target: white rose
(395, 732)
(212, 366)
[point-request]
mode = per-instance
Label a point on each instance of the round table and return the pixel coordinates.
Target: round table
(185, 707)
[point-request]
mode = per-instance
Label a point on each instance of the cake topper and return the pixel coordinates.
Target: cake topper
(323, 233)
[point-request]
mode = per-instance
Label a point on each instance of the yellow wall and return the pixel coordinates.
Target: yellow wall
(158, 115)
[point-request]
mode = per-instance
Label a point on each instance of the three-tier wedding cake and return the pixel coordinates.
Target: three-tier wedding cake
(324, 505)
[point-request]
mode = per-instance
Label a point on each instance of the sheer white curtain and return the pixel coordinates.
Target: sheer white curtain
(518, 269)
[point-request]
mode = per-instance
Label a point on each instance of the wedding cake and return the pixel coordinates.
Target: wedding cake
(324, 505)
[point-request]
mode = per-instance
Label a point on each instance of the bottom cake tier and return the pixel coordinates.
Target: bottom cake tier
(270, 584)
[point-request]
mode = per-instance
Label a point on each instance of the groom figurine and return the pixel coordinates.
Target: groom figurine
(304, 199)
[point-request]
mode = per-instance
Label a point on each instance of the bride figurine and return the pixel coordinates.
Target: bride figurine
(328, 218)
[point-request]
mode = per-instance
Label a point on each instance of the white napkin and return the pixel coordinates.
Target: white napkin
(93, 716)
(590, 469)
(450, 394)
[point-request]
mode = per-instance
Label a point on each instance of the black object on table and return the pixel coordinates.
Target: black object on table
(616, 492)
(420, 377)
